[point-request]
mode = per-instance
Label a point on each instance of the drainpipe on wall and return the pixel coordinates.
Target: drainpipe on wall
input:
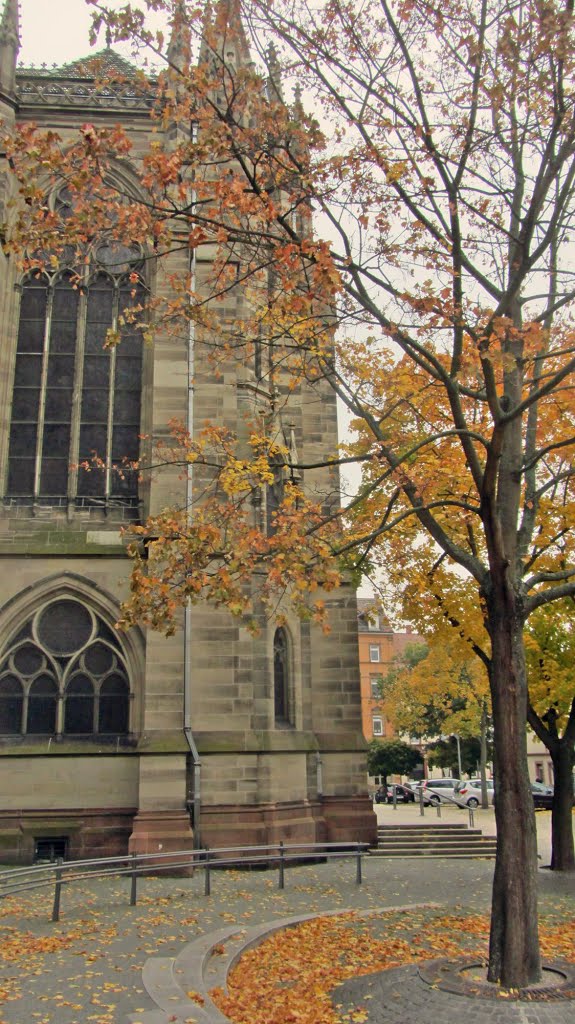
(196, 803)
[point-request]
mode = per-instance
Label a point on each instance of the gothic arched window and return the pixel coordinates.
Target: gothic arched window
(79, 706)
(281, 677)
(114, 707)
(11, 704)
(42, 706)
(64, 673)
(274, 499)
(76, 403)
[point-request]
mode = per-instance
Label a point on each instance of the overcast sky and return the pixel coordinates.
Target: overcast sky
(55, 31)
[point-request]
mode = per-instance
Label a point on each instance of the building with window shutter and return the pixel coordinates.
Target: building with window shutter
(378, 644)
(114, 741)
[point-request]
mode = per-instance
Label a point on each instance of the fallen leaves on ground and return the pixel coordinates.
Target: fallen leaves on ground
(289, 978)
(86, 969)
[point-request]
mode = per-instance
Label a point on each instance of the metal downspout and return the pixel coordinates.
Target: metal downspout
(196, 803)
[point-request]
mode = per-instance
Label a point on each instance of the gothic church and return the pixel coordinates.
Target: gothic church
(114, 741)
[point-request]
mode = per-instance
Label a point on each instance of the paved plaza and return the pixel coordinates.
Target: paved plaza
(88, 967)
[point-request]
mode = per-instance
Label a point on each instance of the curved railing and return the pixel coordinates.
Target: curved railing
(62, 873)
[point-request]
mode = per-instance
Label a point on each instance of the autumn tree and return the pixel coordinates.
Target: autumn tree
(447, 613)
(427, 692)
(440, 688)
(550, 648)
(435, 300)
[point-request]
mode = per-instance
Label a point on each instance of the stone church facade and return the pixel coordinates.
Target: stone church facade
(114, 741)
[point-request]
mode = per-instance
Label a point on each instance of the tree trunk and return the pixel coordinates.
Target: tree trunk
(514, 960)
(562, 752)
(562, 844)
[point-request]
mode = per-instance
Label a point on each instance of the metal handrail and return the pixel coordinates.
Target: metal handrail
(444, 798)
(64, 873)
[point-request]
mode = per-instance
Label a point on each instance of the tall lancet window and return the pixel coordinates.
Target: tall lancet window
(285, 471)
(75, 420)
(281, 677)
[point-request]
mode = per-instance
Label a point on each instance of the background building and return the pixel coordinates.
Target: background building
(112, 741)
(539, 761)
(378, 644)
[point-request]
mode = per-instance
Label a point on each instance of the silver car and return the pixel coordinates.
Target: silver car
(437, 791)
(469, 792)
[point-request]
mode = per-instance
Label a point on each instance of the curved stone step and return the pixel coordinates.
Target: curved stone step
(163, 988)
(204, 964)
(180, 986)
(207, 961)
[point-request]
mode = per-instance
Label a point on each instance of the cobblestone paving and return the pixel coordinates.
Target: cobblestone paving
(401, 997)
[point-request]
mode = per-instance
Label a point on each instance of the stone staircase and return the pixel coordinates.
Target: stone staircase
(439, 841)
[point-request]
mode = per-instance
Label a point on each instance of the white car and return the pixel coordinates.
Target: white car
(469, 792)
(437, 791)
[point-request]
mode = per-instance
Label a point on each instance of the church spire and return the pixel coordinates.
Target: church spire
(275, 91)
(224, 36)
(297, 103)
(9, 46)
(10, 23)
(180, 45)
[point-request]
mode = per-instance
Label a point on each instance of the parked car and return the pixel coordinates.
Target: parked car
(469, 791)
(403, 794)
(542, 795)
(436, 791)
